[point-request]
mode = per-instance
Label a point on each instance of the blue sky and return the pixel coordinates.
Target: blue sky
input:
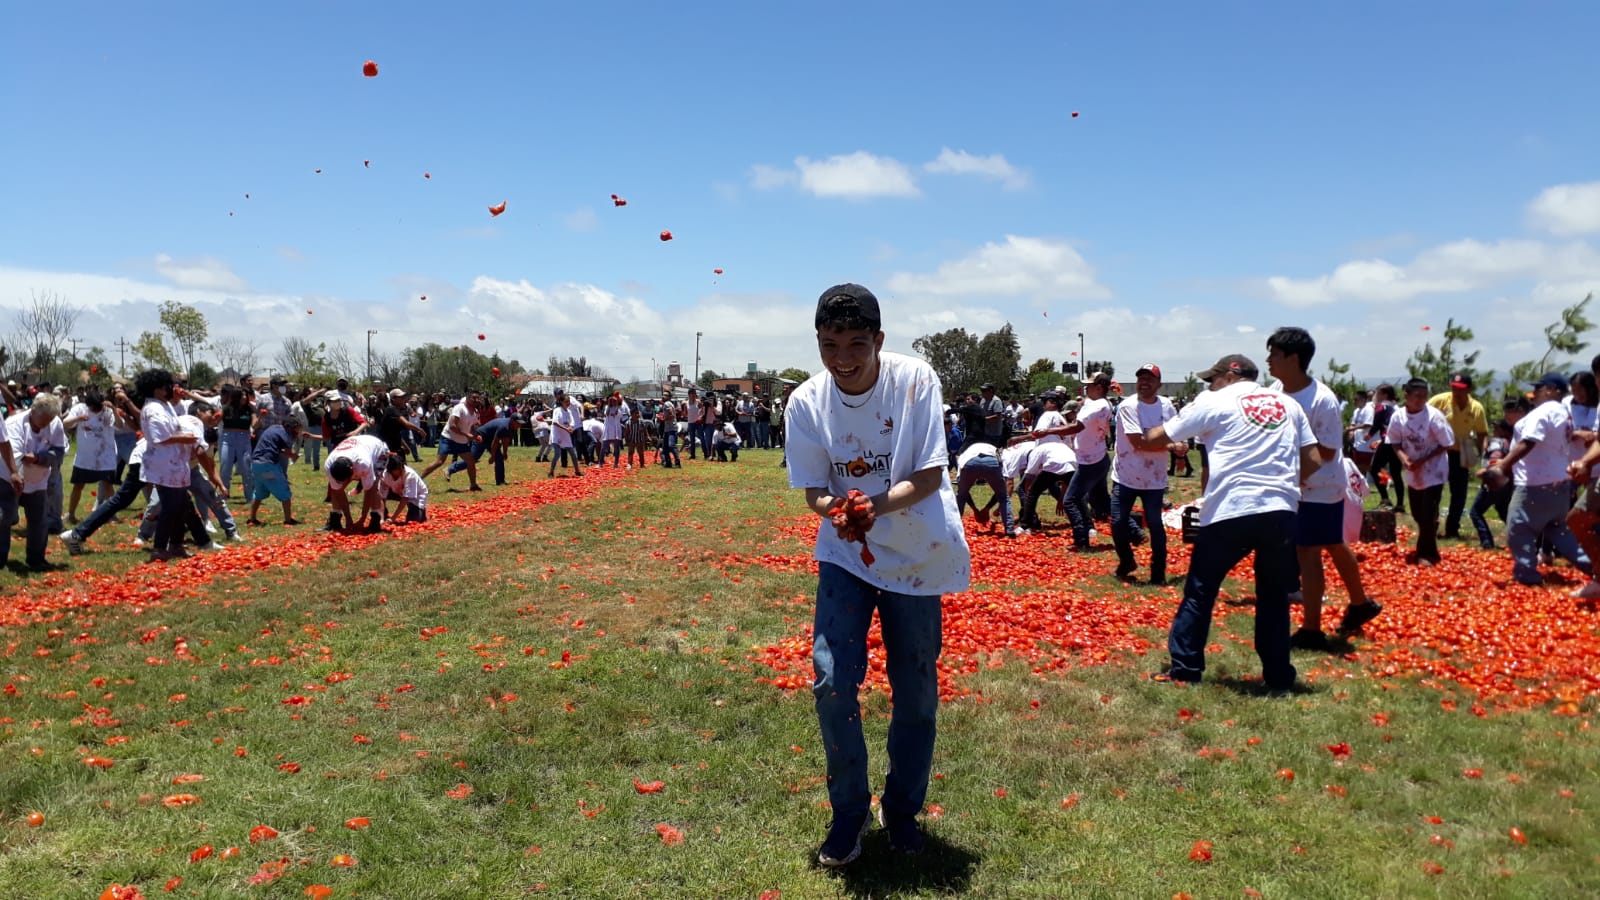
(1362, 171)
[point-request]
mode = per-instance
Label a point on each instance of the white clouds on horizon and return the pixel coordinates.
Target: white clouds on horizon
(204, 274)
(1457, 267)
(1567, 209)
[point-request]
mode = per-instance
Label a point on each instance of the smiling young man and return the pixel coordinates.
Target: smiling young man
(873, 422)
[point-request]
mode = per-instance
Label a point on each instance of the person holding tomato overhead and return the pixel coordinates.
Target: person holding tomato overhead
(866, 443)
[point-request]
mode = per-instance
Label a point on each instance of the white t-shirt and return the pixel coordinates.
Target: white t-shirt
(614, 417)
(563, 417)
(405, 484)
(1057, 458)
(97, 438)
(166, 465)
(458, 427)
(1142, 470)
(1014, 459)
(1096, 418)
(728, 435)
(1049, 419)
(24, 440)
(366, 453)
(1253, 437)
(136, 456)
(193, 425)
(1361, 419)
(974, 451)
(596, 429)
(871, 442)
(1584, 418)
(1549, 425)
(1321, 406)
(1418, 434)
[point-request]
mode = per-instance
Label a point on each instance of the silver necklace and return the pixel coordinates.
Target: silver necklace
(866, 398)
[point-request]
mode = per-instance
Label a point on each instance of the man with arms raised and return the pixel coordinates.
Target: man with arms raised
(1260, 450)
(872, 422)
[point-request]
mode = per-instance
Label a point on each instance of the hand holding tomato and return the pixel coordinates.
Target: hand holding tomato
(853, 516)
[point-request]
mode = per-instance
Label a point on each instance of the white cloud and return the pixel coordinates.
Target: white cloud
(853, 176)
(1567, 209)
(994, 167)
(856, 175)
(1457, 267)
(1028, 267)
(202, 274)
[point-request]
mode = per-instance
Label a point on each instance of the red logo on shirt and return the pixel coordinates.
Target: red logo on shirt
(888, 426)
(1265, 411)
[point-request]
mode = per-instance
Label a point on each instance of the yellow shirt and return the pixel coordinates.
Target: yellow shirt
(1465, 421)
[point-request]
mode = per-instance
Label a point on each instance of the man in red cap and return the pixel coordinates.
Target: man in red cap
(1471, 426)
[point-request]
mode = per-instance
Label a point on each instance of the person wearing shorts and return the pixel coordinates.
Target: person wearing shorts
(1319, 522)
(269, 470)
(457, 439)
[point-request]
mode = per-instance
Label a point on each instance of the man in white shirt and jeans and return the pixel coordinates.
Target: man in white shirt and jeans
(1260, 448)
(1140, 474)
(873, 422)
(1092, 426)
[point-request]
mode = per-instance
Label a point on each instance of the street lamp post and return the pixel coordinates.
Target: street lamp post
(370, 333)
(697, 336)
(1083, 368)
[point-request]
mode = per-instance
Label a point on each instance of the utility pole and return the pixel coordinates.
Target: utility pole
(75, 342)
(370, 333)
(1083, 369)
(122, 358)
(697, 336)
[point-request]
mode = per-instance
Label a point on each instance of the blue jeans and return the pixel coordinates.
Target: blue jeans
(125, 443)
(912, 639)
(1535, 511)
(1219, 547)
(130, 489)
(236, 457)
(311, 448)
(208, 500)
(669, 447)
(984, 470)
(1122, 498)
(763, 435)
(1085, 480)
(1485, 500)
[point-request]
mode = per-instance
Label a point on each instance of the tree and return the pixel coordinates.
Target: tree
(1341, 383)
(201, 374)
(187, 327)
(1041, 376)
(1191, 388)
(999, 359)
(951, 354)
(42, 327)
(707, 377)
(1564, 339)
(1099, 365)
(151, 352)
(1436, 366)
(572, 367)
(238, 354)
(340, 360)
(302, 361)
(794, 374)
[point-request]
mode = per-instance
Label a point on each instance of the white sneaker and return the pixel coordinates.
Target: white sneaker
(73, 542)
(138, 543)
(211, 527)
(1590, 591)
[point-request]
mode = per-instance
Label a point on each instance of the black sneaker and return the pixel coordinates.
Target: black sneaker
(1125, 573)
(1158, 581)
(1359, 615)
(905, 834)
(335, 523)
(1309, 639)
(1171, 676)
(843, 844)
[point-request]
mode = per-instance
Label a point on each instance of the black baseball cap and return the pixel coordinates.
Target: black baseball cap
(1233, 362)
(1461, 380)
(844, 302)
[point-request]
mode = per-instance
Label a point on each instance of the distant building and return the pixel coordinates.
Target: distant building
(757, 385)
(544, 386)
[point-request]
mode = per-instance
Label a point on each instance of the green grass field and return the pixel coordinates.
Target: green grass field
(488, 691)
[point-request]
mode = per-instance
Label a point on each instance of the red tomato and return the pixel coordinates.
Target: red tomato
(370, 69)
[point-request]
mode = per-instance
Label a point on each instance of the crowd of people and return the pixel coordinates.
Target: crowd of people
(187, 449)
